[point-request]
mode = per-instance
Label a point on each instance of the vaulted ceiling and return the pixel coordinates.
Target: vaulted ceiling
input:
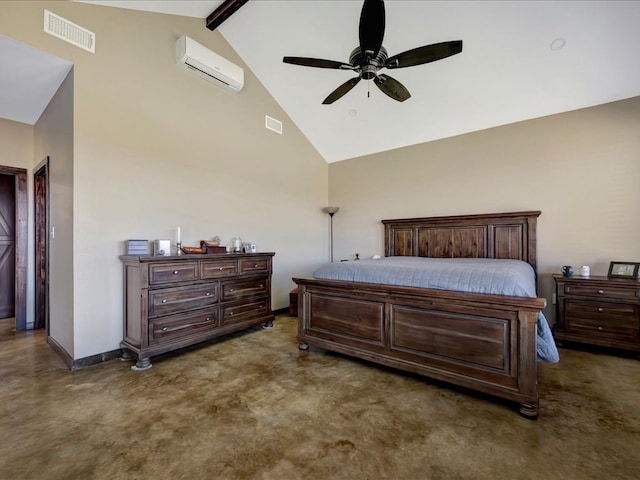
(520, 60)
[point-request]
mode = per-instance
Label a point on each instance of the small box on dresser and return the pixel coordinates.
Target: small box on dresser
(137, 247)
(598, 310)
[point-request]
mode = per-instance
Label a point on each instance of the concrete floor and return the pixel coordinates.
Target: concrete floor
(251, 406)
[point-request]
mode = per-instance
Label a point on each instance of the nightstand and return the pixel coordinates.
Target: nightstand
(293, 302)
(598, 310)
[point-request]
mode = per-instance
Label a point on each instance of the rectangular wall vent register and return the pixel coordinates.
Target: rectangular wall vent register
(273, 124)
(69, 32)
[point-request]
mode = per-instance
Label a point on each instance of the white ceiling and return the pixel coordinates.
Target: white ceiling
(507, 71)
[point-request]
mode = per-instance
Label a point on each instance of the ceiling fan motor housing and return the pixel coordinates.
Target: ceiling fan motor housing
(367, 66)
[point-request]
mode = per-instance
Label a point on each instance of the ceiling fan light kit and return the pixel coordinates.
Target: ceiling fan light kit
(370, 57)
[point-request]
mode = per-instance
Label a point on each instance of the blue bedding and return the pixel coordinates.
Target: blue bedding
(476, 275)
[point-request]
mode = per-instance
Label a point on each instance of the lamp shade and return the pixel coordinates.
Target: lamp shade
(330, 210)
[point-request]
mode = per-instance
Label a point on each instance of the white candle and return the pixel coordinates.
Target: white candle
(178, 241)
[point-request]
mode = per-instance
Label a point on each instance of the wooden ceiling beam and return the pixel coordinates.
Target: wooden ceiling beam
(224, 11)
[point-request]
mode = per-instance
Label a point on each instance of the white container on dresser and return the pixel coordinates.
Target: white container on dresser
(174, 302)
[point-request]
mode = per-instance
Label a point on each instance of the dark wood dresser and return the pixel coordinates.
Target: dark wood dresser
(174, 302)
(597, 310)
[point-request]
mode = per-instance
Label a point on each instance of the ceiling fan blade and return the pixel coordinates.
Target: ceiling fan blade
(371, 31)
(425, 54)
(391, 87)
(341, 90)
(317, 62)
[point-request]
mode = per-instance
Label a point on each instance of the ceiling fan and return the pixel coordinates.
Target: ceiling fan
(370, 56)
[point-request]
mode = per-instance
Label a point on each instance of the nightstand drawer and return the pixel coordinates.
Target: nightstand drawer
(624, 331)
(602, 311)
(580, 290)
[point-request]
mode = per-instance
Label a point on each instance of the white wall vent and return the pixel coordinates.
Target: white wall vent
(273, 124)
(69, 32)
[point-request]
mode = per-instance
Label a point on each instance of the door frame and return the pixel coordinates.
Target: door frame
(41, 245)
(21, 243)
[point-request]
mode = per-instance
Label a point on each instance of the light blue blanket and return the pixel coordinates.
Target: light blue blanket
(477, 275)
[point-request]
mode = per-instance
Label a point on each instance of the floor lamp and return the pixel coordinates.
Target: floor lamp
(331, 211)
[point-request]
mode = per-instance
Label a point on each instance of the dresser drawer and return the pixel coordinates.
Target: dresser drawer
(218, 268)
(245, 288)
(166, 329)
(257, 264)
(583, 290)
(170, 300)
(173, 272)
(244, 311)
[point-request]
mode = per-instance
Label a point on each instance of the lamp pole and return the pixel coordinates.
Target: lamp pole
(331, 211)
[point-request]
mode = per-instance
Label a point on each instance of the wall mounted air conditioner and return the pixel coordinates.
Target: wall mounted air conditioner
(208, 65)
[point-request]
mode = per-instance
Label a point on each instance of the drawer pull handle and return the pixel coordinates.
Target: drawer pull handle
(165, 329)
(232, 289)
(255, 265)
(208, 319)
(600, 309)
(231, 314)
(262, 286)
(175, 272)
(600, 328)
(220, 268)
(600, 292)
(207, 294)
(164, 300)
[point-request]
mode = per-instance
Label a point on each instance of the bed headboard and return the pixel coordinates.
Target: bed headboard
(493, 235)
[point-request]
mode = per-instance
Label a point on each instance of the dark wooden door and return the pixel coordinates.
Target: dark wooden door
(7, 246)
(41, 215)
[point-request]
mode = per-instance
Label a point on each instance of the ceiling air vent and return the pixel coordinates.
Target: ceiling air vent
(69, 32)
(273, 124)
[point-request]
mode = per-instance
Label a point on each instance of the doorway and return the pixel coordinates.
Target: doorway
(13, 245)
(41, 221)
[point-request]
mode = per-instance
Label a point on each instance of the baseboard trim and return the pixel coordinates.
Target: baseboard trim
(95, 359)
(280, 311)
(61, 352)
(82, 362)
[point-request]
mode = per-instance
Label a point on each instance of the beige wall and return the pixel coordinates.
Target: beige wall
(17, 144)
(54, 139)
(155, 148)
(581, 169)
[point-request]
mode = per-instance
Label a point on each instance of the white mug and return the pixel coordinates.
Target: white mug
(584, 271)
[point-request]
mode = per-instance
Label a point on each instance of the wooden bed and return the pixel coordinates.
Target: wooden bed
(486, 343)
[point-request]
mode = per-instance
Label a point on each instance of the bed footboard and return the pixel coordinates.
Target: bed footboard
(486, 343)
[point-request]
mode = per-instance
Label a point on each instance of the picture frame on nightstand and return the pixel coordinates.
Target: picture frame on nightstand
(623, 269)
